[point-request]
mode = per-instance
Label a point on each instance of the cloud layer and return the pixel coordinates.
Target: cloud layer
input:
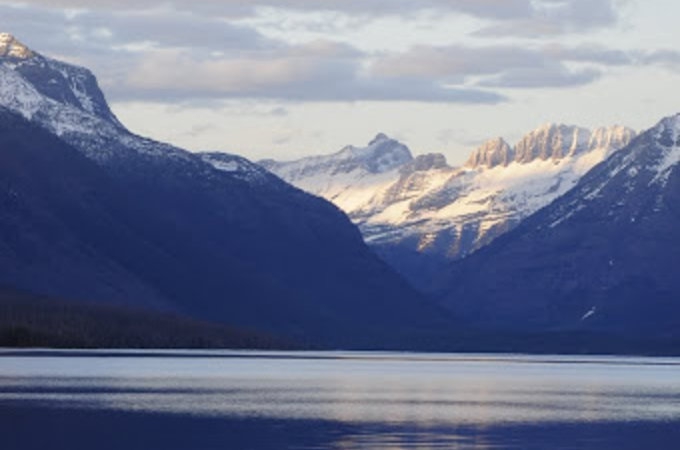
(202, 49)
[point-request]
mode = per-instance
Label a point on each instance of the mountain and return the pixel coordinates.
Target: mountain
(348, 178)
(419, 213)
(93, 212)
(600, 258)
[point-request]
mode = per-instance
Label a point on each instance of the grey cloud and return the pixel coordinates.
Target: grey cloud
(591, 54)
(580, 14)
(93, 33)
(105, 42)
(175, 29)
(199, 130)
(554, 17)
(455, 63)
(504, 66)
(223, 62)
(481, 8)
(667, 58)
(37, 27)
(544, 77)
(279, 111)
(200, 58)
(290, 75)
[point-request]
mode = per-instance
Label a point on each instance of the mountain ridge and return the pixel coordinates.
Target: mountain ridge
(424, 211)
(600, 258)
(141, 221)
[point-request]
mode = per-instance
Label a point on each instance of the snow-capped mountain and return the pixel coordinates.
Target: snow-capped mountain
(348, 178)
(63, 83)
(66, 100)
(601, 258)
(91, 211)
(422, 206)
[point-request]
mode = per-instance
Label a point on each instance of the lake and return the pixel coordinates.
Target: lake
(337, 400)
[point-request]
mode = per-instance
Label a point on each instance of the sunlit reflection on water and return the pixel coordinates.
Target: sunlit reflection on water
(427, 393)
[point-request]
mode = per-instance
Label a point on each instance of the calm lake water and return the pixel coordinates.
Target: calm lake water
(339, 400)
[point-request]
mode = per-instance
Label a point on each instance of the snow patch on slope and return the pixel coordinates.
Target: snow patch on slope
(239, 167)
(668, 135)
(17, 94)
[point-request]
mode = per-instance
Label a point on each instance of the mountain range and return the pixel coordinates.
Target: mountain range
(419, 213)
(93, 212)
(600, 258)
(563, 242)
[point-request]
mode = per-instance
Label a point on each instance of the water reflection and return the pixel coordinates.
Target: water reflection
(393, 400)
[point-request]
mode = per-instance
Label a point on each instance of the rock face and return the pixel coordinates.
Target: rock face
(91, 211)
(11, 48)
(600, 258)
(420, 213)
(495, 152)
(552, 142)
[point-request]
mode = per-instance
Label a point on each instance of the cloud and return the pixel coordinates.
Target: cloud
(174, 30)
(319, 71)
(175, 56)
(235, 8)
(454, 63)
(503, 66)
(544, 77)
(279, 111)
(555, 17)
(591, 54)
(177, 52)
(528, 18)
(666, 58)
(110, 29)
(479, 8)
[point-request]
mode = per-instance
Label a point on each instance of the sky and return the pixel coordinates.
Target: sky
(285, 79)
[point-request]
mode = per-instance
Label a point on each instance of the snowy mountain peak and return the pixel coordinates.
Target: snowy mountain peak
(10, 47)
(552, 141)
(379, 138)
(427, 207)
(611, 243)
(384, 154)
(666, 158)
(668, 130)
(494, 152)
(65, 97)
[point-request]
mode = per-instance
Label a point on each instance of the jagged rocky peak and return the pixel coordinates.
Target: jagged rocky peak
(10, 47)
(43, 79)
(384, 154)
(552, 141)
(611, 138)
(494, 152)
(380, 137)
(668, 131)
(426, 162)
